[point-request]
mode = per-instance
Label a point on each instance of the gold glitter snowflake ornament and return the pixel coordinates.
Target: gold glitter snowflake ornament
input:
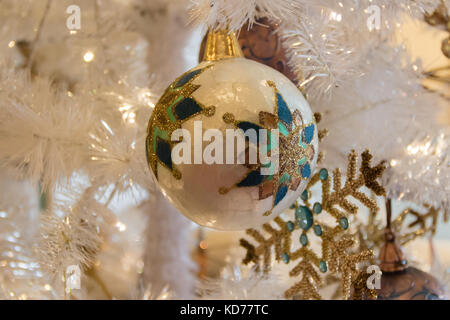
(338, 255)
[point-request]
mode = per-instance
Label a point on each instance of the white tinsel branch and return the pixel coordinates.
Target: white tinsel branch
(319, 51)
(388, 111)
(21, 277)
(43, 131)
(241, 283)
(233, 14)
(71, 236)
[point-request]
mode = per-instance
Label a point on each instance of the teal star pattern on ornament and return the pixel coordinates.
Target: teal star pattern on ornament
(295, 151)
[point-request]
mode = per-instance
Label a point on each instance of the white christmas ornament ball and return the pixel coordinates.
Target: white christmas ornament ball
(200, 175)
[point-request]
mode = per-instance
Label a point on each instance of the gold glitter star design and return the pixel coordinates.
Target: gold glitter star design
(295, 150)
(175, 106)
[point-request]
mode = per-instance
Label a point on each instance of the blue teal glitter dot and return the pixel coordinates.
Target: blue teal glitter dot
(304, 195)
(323, 174)
(318, 230)
(323, 266)
(186, 77)
(290, 226)
(317, 208)
(306, 171)
(304, 217)
(286, 258)
(281, 193)
(344, 223)
(283, 111)
(309, 133)
(304, 239)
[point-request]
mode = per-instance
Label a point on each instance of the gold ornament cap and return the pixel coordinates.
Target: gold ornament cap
(221, 45)
(391, 255)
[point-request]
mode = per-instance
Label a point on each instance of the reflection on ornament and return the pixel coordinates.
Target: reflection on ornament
(228, 92)
(409, 284)
(261, 43)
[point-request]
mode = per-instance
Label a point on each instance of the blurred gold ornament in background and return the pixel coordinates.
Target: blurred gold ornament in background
(440, 19)
(398, 280)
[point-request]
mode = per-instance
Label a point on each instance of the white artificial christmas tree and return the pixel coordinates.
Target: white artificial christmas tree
(74, 108)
